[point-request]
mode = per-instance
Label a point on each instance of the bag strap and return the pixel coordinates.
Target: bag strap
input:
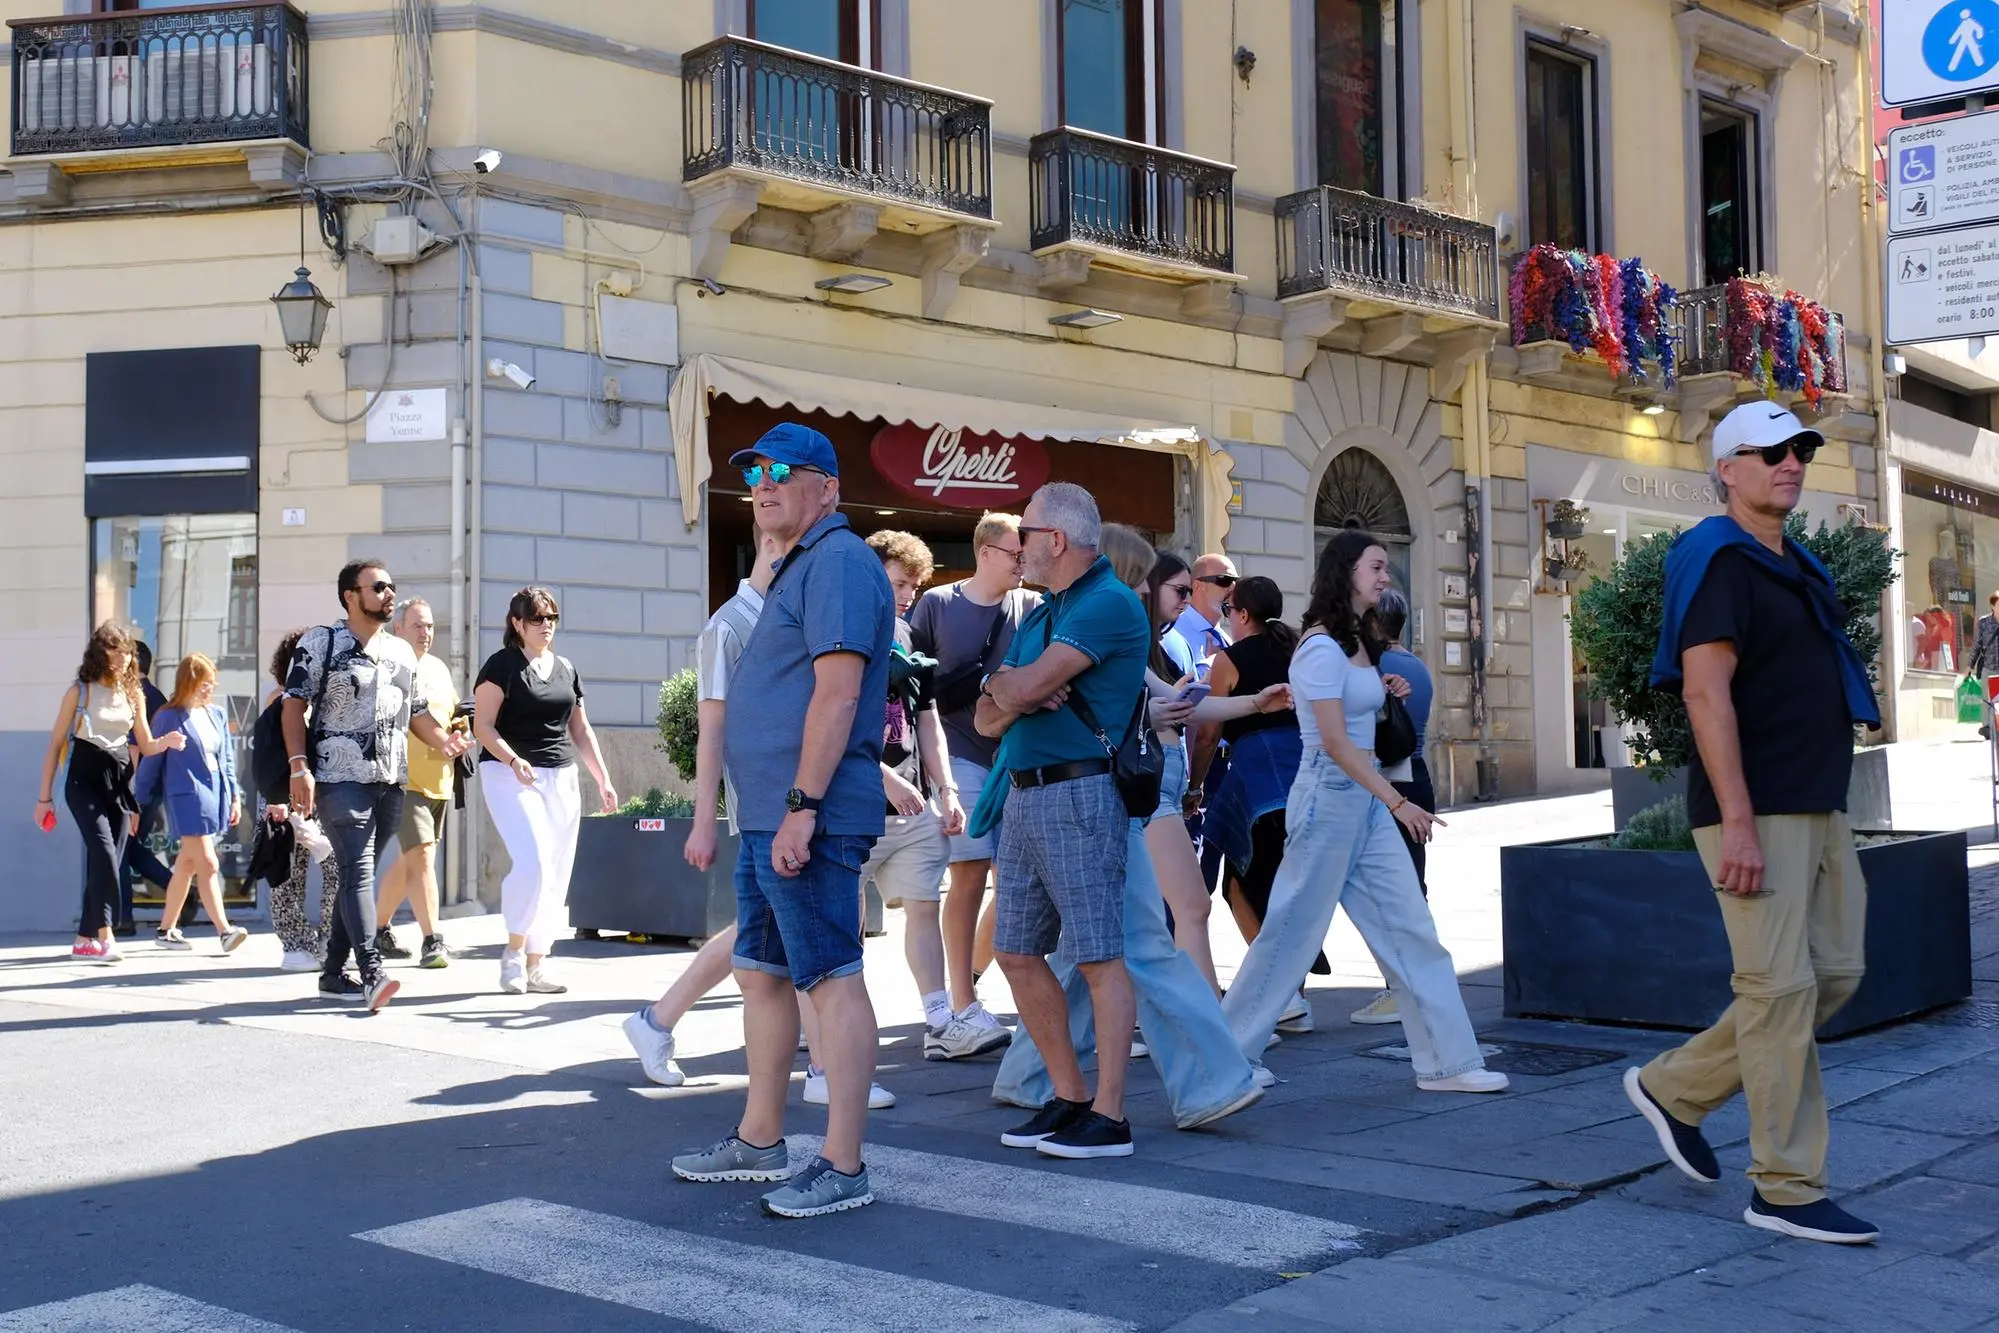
(75, 726)
(992, 635)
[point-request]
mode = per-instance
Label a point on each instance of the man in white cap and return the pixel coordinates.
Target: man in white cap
(1753, 637)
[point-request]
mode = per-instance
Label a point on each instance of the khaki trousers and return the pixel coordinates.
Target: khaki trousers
(1799, 953)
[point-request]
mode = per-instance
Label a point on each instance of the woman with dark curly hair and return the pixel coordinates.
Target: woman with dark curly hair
(303, 939)
(102, 713)
(1341, 845)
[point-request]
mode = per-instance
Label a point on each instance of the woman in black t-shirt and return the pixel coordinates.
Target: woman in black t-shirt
(529, 720)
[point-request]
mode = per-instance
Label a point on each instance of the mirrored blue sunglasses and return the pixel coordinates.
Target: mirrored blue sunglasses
(780, 473)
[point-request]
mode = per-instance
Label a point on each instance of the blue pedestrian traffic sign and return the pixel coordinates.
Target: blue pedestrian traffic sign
(1936, 50)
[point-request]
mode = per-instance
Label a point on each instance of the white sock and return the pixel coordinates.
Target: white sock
(937, 1008)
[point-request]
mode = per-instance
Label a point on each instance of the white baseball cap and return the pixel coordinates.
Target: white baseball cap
(1758, 426)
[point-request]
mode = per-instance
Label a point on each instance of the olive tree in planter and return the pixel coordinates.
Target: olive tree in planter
(630, 874)
(1625, 930)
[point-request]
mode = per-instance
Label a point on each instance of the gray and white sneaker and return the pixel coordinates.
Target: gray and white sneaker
(654, 1049)
(971, 1033)
(540, 983)
(1297, 1016)
(513, 972)
(819, 1189)
(732, 1159)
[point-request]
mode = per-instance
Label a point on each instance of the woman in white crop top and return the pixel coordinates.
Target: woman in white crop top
(1342, 845)
(103, 712)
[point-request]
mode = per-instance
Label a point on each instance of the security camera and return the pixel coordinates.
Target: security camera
(507, 370)
(486, 161)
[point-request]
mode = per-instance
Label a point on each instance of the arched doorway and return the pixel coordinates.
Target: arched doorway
(1358, 491)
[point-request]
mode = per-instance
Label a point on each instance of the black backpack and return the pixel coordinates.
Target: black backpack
(270, 772)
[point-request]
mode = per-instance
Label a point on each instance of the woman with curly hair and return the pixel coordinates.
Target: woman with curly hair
(101, 716)
(198, 784)
(1341, 845)
(303, 940)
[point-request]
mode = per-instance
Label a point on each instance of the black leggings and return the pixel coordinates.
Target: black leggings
(1424, 797)
(1266, 853)
(104, 825)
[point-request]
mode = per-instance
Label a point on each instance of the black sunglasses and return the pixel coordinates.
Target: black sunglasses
(1219, 580)
(550, 619)
(1773, 454)
(1228, 608)
(1184, 589)
(378, 587)
(1026, 531)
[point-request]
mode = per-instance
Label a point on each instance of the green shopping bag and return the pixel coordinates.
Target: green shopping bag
(1970, 701)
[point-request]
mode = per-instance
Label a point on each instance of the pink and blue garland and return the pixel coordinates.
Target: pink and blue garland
(1595, 303)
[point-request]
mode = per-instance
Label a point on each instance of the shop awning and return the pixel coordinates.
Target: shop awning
(704, 376)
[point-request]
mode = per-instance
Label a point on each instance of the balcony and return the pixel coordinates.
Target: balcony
(1384, 278)
(127, 89)
(1723, 333)
(859, 151)
(1093, 199)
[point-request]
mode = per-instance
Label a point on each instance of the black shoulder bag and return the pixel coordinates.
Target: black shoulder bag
(1394, 733)
(1138, 765)
(958, 689)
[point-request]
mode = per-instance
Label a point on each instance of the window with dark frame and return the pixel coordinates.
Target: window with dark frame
(829, 29)
(1562, 166)
(241, 636)
(1105, 68)
(1730, 225)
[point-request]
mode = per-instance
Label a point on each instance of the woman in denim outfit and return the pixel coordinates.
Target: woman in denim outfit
(1341, 844)
(202, 798)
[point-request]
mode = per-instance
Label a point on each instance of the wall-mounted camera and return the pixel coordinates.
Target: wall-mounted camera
(507, 370)
(486, 161)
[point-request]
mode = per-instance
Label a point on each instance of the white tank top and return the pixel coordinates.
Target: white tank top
(105, 719)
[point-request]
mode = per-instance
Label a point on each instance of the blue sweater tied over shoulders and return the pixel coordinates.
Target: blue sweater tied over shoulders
(1686, 568)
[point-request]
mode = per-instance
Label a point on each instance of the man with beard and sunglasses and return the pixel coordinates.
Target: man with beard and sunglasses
(1753, 637)
(360, 682)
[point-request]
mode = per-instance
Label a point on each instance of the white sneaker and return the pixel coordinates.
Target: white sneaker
(1297, 1016)
(879, 1098)
(1381, 1009)
(298, 960)
(1264, 1078)
(973, 1032)
(171, 939)
(1472, 1080)
(540, 983)
(233, 939)
(513, 972)
(654, 1049)
(1275, 1040)
(1139, 1050)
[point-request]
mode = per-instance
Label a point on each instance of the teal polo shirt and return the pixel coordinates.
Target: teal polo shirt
(1100, 618)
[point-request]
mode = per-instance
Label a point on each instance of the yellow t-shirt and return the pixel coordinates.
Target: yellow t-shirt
(430, 772)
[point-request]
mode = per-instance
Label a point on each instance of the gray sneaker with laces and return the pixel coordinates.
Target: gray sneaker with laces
(733, 1159)
(819, 1189)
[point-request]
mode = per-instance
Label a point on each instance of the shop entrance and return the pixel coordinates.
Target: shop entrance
(925, 482)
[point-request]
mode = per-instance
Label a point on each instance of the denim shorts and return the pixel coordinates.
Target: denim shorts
(1173, 781)
(1059, 874)
(808, 927)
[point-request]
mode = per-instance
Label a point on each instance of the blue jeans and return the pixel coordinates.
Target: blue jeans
(808, 927)
(1191, 1046)
(1341, 846)
(358, 818)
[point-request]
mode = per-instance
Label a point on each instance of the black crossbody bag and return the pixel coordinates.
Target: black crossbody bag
(958, 689)
(1138, 764)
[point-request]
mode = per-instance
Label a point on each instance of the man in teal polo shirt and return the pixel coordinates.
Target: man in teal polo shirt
(1061, 857)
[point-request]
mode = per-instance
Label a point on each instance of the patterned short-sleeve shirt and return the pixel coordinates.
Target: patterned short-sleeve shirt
(362, 697)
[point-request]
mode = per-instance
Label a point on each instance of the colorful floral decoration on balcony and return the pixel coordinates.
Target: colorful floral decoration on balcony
(1780, 340)
(1595, 303)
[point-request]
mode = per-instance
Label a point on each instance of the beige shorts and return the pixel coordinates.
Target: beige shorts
(908, 861)
(423, 820)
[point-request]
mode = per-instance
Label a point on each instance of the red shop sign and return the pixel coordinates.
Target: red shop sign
(946, 465)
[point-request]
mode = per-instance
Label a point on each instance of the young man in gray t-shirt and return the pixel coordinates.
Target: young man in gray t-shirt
(967, 627)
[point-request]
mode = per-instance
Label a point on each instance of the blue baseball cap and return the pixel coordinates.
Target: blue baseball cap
(789, 442)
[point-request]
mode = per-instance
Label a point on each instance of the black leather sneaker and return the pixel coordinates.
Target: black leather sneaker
(385, 944)
(1092, 1136)
(1057, 1115)
(1682, 1143)
(1823, 1220)
(342, 986)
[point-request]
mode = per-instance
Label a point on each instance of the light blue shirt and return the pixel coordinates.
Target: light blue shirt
(1320, 669)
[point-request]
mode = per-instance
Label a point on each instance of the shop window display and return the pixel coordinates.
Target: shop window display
(1951, 565)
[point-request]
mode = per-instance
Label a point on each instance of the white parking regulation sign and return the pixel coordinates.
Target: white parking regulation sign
(1935, 50)
(1943, 285)
(1944, 174)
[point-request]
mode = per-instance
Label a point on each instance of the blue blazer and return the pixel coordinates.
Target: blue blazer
(197, 796)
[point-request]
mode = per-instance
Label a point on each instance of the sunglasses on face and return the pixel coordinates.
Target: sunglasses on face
(1228, 608)
(1185, 590)
(378, 587)
(1773, 454)
(779, 473)
(1026, 531)
(549, 620)
(1219, 580)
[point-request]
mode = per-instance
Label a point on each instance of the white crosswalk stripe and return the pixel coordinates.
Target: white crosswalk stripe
(134, 1309)
(1244, 1235)
(704, 1280)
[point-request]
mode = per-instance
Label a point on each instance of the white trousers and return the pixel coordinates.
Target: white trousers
(539, 824)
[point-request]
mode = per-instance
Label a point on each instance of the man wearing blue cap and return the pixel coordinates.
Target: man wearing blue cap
(1753, 637)
(806, 766)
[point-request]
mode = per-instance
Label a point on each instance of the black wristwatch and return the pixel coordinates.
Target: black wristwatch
(796, 800)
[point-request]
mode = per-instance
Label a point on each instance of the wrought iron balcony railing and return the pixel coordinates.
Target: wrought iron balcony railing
(1131, 197)
(145, 78)
(1701, 324)
(1330, 239)
(747, 104)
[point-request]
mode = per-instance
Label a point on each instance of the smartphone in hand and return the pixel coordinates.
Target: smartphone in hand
(1194, 693)
(49, 821)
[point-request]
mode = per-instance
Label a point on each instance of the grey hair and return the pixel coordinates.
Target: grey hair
(1392, 611)
(403, 611)
(1072, 511)
(1720, 486)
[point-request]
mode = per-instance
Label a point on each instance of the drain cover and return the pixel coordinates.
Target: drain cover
(1516, 1057)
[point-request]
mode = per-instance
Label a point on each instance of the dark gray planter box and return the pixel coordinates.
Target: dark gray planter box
(1867, 803)
(631, 878)
(1602, 936)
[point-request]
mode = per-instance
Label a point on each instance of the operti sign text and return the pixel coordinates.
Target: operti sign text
(962, 470)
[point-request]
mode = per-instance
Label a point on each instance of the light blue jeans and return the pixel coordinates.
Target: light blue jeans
(1341, 847)
(1191, 1046)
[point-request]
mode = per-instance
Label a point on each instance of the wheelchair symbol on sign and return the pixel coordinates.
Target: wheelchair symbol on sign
(1918, 164)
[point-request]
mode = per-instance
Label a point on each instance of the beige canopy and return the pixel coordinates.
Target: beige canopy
(705, 375)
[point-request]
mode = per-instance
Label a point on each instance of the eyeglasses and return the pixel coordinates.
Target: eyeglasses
(1026, 531)
(1010, 552)
(1228, 608)
(1219, 580)
(1185, 590)
(1773, 454)
(779, 473)
(549, 620)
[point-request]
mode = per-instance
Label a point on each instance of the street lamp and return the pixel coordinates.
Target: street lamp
(302, 311)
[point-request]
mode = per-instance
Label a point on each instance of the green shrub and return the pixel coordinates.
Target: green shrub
(1615, 623)
(680, 721)
(1664, 827)
(656, 804)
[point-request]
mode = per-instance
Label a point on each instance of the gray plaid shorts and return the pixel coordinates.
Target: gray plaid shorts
(1060, 870)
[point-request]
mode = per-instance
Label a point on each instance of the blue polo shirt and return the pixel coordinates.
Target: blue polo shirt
(1100, 618)
(830, 596)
